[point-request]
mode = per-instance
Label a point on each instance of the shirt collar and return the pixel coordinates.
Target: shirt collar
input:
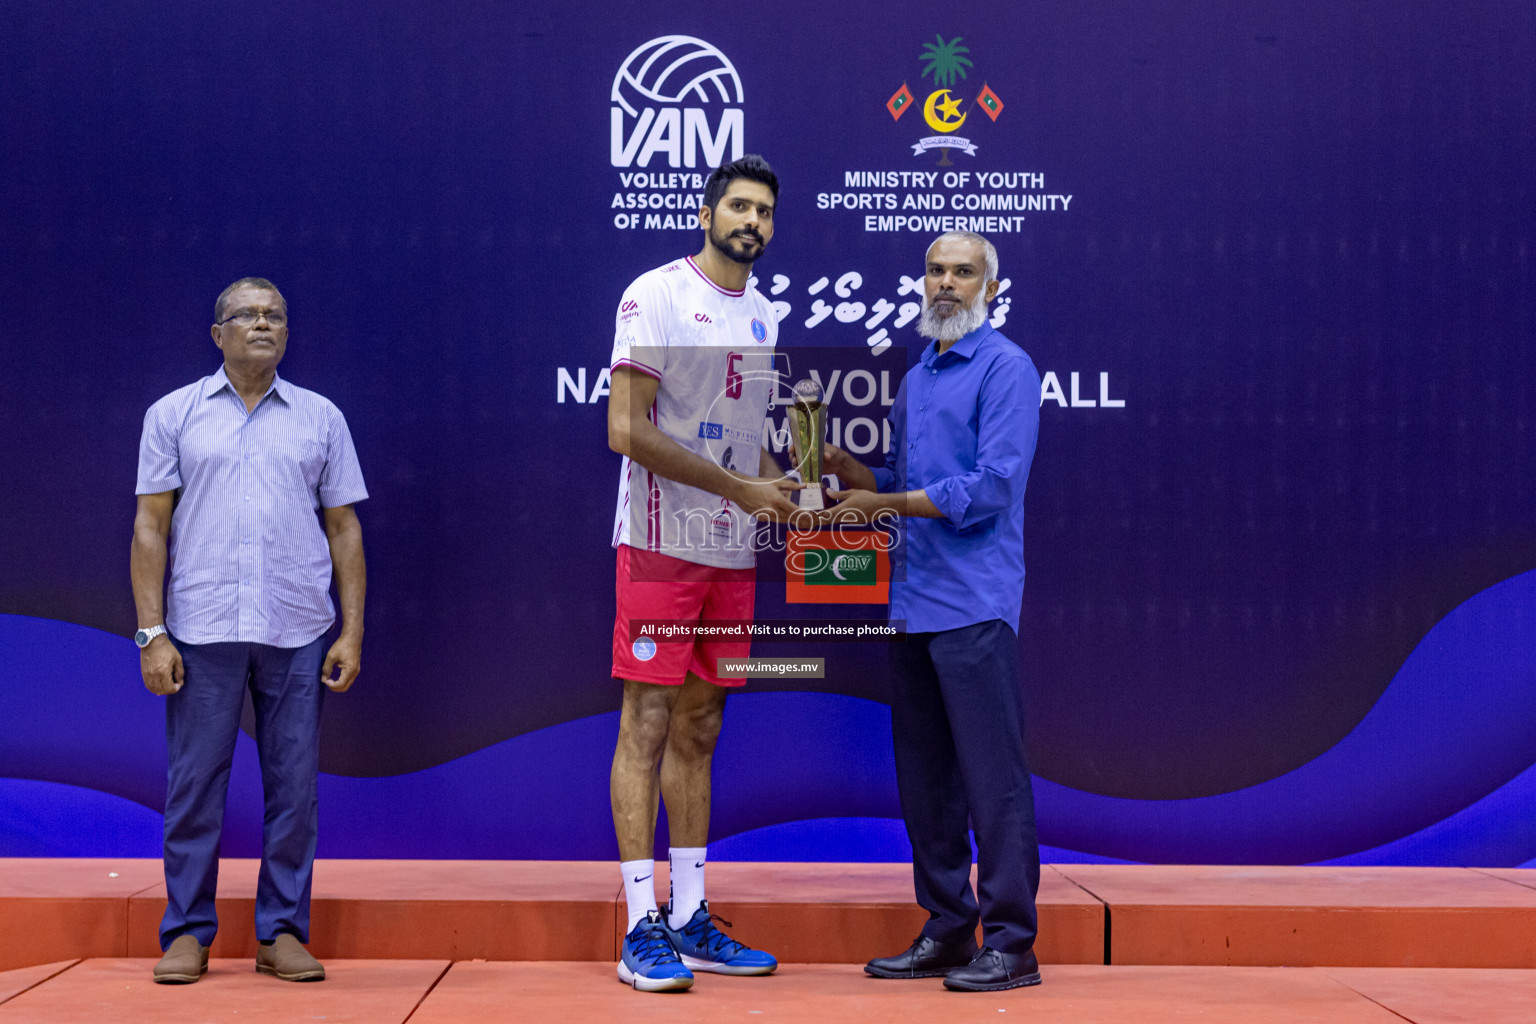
(220, 380)
(965, 348)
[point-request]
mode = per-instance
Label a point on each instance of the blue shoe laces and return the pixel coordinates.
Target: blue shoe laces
(649, 945)
(720, 946)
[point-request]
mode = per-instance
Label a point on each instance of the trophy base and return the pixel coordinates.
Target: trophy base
(812, 499)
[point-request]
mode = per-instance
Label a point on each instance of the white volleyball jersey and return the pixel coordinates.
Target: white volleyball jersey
(712, 351)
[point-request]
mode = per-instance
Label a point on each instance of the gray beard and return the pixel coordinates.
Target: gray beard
(950, 329)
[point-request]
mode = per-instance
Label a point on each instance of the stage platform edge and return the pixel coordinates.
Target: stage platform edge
(59, 909)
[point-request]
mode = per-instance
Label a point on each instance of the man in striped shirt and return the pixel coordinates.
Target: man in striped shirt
(231, 575)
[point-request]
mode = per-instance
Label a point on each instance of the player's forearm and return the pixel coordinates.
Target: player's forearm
(646, 444)
(146, 568)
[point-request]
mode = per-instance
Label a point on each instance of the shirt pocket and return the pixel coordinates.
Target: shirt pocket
(297, 464)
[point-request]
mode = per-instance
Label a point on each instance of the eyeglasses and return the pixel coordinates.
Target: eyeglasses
(245, 318)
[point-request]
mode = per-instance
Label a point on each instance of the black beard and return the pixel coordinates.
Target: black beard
(724, 247)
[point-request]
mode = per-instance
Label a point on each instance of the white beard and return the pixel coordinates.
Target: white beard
(949, 329)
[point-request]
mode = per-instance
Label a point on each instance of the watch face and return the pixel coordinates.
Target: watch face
(141, 638)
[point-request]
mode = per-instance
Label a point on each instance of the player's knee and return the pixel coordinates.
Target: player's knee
(645, 728)
(698, 730)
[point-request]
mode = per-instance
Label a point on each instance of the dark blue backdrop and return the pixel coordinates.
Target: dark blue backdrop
(1280, 603)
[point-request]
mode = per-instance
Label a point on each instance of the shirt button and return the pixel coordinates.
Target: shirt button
(247, 497)
(247, 456)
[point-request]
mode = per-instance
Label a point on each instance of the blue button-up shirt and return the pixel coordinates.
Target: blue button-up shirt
(963, 429)
(248, 560)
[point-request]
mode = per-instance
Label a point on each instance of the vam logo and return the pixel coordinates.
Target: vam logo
(678, 96)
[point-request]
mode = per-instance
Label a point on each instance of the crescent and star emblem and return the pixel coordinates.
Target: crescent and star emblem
(942, 111)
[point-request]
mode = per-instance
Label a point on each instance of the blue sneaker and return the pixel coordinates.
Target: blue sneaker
(704, 947)
(649, 963)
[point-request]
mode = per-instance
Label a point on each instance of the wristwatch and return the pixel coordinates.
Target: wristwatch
(144, 636)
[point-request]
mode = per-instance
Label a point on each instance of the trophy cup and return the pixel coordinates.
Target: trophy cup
(808, 417)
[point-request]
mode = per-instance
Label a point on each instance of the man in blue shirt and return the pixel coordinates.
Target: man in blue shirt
(231, 572)
(963, 432)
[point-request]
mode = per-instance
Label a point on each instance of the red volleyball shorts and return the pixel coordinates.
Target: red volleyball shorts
(651, 585)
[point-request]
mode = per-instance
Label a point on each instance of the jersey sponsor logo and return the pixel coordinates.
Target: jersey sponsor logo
(680, 98)
(725, 432)
(644, 649)
(703, 318)
(759, 330)
(628, 311)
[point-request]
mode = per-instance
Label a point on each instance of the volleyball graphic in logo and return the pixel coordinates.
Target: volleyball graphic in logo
(675, 69)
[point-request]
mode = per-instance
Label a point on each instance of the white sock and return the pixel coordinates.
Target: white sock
(687, 864)
(639, 889)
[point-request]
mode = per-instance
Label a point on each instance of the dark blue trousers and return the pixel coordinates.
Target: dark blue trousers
(201, 723)
(957, 723)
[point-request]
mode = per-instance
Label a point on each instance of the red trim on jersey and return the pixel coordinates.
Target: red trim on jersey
(647, 370)
(652, 513)
(618, 527)
(652, 502)
(722, 291)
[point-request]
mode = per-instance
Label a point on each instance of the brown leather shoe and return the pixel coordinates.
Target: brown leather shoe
(286, 958)
(183, 963)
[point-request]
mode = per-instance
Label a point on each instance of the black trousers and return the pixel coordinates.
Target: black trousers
(958, 729)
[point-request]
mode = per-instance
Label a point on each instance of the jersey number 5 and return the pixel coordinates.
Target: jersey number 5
(732, 376)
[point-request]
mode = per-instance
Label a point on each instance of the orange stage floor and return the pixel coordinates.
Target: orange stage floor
(437, 992)
(60, 909)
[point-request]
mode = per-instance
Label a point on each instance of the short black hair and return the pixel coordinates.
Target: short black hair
(752, 167)
(244, 282)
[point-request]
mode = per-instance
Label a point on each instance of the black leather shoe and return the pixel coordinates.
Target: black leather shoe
(992, 971)
(926, 958)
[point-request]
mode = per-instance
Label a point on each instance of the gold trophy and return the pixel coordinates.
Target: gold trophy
(808, 417)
